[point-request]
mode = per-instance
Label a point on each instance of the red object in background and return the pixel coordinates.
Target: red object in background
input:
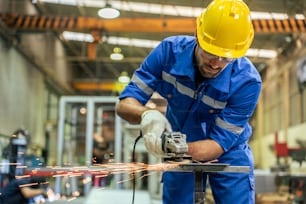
(281, 149)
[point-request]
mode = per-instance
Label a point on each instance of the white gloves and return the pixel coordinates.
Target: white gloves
(153, 124)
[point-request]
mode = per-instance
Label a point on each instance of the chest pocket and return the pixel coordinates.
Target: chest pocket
(210, 108)
(177, 92)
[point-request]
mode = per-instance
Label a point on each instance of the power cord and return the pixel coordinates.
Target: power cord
(134, 161)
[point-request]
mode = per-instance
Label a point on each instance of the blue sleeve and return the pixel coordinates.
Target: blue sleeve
(147, 77)
(235, 116)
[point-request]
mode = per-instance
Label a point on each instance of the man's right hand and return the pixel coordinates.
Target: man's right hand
(153, 124)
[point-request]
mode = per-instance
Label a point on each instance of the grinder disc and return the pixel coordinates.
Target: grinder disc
(183, 161)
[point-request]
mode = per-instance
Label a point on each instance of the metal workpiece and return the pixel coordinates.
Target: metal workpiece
(210, 167)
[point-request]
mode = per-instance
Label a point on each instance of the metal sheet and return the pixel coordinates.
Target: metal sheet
(210, 167)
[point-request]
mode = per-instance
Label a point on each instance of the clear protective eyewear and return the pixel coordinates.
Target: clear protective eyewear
(209, 56)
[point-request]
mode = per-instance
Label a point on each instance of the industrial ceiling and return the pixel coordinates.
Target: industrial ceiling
(91, 62)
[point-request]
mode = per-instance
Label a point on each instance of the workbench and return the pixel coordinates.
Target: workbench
(199, 168)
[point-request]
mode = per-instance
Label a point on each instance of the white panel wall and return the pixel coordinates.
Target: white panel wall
(22, 94)
(23, 89)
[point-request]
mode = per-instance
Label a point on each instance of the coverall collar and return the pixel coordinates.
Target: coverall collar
(184, 61)
(222, 81)
(184, 67)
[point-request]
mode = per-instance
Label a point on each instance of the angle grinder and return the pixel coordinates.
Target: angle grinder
(175, 147)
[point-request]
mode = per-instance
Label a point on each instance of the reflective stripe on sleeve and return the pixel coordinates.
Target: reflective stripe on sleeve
(213, 103)
(180, 87)
(142, 85)
(228, 126)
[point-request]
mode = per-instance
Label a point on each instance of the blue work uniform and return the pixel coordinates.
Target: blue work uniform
(218, 108)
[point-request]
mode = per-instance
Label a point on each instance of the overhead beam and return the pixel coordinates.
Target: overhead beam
(157, 25)
(102, 86)
(94, 86)
(32, 22)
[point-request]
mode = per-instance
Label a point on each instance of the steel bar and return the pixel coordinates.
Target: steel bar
(210, 167)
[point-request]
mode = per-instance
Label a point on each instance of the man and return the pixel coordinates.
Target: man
(22, 190)
(212, 91)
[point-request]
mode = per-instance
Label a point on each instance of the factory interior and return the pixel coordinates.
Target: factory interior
(64, 65)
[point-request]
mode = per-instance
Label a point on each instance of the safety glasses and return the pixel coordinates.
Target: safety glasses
(209, 56)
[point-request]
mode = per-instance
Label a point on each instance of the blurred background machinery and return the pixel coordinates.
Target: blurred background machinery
(282, 183)
(13, 156)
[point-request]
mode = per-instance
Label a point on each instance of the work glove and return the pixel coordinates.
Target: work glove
(153, 124)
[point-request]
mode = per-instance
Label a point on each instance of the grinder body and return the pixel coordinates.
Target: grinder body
(174, 145)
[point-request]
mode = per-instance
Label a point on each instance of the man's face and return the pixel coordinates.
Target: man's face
(210, 65)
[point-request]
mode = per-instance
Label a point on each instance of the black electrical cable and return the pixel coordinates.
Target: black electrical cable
(134, 161)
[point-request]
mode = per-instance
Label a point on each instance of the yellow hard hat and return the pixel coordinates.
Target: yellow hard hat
(225, 29)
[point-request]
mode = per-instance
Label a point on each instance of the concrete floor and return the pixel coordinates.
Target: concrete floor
(80, 200)
(110, 196)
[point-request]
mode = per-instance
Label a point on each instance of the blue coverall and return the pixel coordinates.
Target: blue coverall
(217, 108)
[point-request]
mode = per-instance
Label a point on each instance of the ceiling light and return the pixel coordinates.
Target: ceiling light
(131, 42)
(299, 16)
(261, 53)
(124, 78)
(108, 12)
(116, 55)
(122, 81)
(83, 37)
